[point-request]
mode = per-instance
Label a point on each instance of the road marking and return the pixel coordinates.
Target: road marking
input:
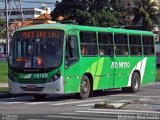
(8, 103)
(37, 119)
(36, 103)
(69, 113)
(115, 112)
(99, 112)
(86, 105)
(74, 117)
(84, 101)
(123, 111)
(135, 96)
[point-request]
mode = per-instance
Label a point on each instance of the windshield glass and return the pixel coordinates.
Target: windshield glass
(36, 49)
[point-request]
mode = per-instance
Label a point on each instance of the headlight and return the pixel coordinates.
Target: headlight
(55, 77)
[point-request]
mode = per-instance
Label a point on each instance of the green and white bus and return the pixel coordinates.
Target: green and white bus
(65, 58)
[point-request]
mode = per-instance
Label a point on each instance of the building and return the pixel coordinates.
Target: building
(26, 13)
(42, 19)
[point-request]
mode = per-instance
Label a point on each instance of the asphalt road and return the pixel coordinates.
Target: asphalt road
(70, 107)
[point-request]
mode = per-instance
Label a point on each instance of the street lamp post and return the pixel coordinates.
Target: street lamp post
(7, 30)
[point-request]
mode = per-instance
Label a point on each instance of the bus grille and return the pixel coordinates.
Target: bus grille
(32, 89)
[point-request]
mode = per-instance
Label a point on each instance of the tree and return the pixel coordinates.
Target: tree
(147, 12)
(89, 12)
(97, 18)
(107, 18)
(2, 28)
(65, 8)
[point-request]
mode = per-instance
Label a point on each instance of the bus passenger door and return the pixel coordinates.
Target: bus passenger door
(71, 77)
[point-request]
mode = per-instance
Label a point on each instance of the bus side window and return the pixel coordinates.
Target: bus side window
(148, 45)
(121, 44)
(135, 45)
(88, 43)
(71, 52)
(105, 43)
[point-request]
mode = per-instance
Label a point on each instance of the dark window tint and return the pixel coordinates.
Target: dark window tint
(148, 40)
(148, 45)
(71, 54)
(135, 45)
(72, 47)
(88, 43)
(121, 44)
(105, 41)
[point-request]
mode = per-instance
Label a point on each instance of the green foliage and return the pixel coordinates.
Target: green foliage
(2, 30)
(66, 8)
(147, 11)
(106, 18)
(90, 12)
(3, 71)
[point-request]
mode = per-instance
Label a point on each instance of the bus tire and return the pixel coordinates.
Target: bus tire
(39, 97)
(135, 84)
(85, 87)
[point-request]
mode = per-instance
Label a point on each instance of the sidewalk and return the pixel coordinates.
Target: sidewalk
(3, 85)
(4, 93)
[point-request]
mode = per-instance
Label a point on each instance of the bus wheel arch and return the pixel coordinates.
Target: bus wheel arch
(91, 83)
(135, 83)
(86, 86)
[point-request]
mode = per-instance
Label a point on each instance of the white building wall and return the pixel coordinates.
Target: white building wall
(35, 12)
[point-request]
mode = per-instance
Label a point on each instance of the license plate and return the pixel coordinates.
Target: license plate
(31, 86)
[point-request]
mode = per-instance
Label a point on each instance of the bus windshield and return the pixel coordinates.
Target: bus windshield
(36, 49)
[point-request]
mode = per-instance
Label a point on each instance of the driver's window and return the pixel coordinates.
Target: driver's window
(71, 50)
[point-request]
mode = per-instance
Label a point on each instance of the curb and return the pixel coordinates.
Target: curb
(5, 94)
(2, 85)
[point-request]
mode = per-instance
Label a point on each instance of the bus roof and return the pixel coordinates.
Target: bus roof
(67, 27)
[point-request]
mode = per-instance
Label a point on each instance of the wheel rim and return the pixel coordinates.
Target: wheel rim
(84, 87)
(135, 82)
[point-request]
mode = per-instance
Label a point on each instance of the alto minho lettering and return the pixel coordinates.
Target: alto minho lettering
(120, 65)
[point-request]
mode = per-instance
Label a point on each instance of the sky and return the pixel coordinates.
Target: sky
(31, 5)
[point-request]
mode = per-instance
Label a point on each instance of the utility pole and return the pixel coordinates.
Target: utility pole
(7, 30)
(11, 6)
(20, 2)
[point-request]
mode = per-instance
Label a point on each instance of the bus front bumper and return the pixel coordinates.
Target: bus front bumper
(56, 87)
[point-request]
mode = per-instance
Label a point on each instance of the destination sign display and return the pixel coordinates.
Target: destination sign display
(41, 34)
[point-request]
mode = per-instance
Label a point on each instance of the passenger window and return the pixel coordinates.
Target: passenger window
(148, 45)
(71, 54)
(105, 41)
(135, 45)
(88, 43)
(121, 44)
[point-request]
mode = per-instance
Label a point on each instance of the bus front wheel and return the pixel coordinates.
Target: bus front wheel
(135, 84)
(85, 87)
(39, 97)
